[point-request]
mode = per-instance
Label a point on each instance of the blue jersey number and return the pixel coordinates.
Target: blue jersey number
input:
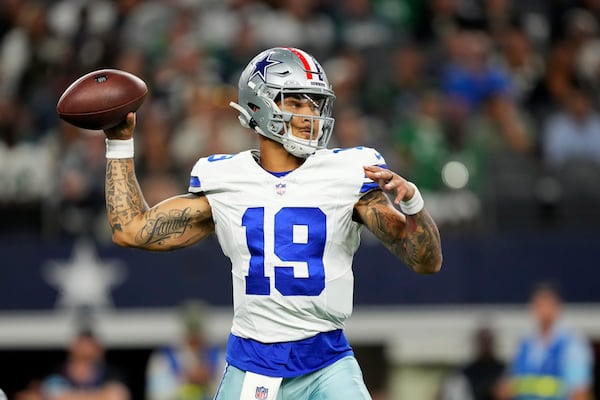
(299, 235)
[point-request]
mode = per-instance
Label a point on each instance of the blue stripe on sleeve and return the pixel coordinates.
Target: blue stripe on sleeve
(368, 186)
(368, 183)
(194, 182)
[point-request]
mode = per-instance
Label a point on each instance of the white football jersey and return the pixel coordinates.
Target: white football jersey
(290, 240)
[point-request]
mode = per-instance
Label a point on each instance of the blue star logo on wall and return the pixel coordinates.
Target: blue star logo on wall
(260, 68)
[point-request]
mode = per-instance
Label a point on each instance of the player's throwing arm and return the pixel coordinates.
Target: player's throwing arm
(174, 223)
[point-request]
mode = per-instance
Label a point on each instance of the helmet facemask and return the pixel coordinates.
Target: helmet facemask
(318, 126)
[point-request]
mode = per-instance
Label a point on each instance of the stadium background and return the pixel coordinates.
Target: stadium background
(511, 212)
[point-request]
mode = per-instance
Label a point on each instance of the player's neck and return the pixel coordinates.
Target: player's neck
(274, 158)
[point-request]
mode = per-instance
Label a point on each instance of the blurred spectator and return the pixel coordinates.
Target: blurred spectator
(572, 133)
(584, 27)
(485, 371)
(145, 26)
(239, 23)
(359, 28)
(479, 378)
(8, 14)
(466, 82)
(496, 142)
(27, 172)
(347, 71)
(408, 81)
(298, 23)
(158, 174)
(440, 19)
(18, 47)
(571, 158)
(455, 386)
(421, 143)
(470, 78)
(447, 174)
(524, 65)
(33, 391)
(86, 27)
(567, 68)
(188, 369)
(232, 136)
(205, 126)
(502, 66)
(552, 361)
(560, 75)
(498, 17)
(85, 374)
(155, 140)
(223, 24)
(81, 187)
(401, 15)
(355, 128)
(366, 35)
(37, 80)
(480, 114)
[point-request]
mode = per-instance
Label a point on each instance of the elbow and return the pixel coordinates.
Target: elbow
(119, 239)
(429, 267)
(122, 239)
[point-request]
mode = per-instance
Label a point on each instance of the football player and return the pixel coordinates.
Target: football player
(288, 215)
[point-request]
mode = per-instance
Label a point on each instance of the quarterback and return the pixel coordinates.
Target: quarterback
(288, 215)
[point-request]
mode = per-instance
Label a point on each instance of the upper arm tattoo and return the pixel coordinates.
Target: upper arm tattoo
(172, 228)
(164, 225)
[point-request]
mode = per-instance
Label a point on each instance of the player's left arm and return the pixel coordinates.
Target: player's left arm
(414, 239)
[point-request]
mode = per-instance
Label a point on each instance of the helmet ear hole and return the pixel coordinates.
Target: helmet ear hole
(252, 123)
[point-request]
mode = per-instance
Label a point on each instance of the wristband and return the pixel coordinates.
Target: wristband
(119, 148)
(414, 205)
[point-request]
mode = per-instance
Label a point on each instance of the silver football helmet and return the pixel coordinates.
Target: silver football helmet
(277, 73)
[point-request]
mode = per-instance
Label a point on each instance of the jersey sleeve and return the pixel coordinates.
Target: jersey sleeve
(208, 172)
(196, 178)
(370, 156)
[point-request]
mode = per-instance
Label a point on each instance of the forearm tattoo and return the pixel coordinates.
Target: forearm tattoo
(422, 245)
(416, 242)
(124, 199)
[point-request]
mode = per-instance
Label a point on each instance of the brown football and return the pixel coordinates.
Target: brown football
(101, 99)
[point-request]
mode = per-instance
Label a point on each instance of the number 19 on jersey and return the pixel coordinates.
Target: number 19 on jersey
(299, 235)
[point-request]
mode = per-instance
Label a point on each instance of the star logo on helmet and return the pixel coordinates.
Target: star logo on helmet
(260, 68)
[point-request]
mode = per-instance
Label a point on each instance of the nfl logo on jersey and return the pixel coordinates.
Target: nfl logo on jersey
(261, 393)
(280, 188)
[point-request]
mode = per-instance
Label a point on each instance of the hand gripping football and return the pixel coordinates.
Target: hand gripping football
(101, 99)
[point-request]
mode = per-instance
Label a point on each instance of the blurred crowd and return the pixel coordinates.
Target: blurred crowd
(490, 106)
(187, 367)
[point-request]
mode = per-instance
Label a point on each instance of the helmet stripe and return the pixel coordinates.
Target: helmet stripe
(303, 60)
